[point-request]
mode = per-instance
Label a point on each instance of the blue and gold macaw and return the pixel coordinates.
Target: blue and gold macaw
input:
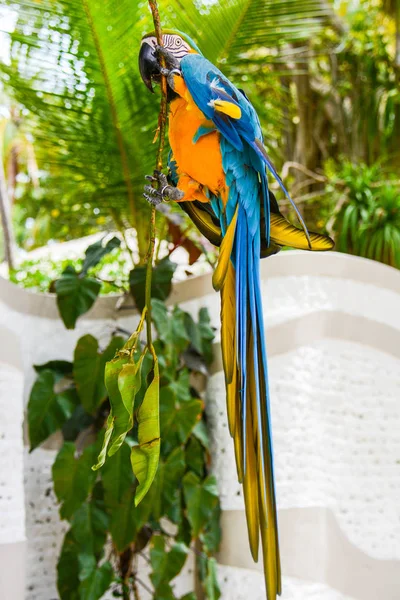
(219, 168)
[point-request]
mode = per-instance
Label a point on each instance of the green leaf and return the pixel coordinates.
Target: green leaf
(165, 592)
(177, 420)
(68, 569)
(145, 456)
(75, 295)
(78, 421)
(184, 532)
(195, 456)
(47, 410)
(89, 527)
(201, 497)
(117, 477)
(187, 417)
(123, 421)
(201, 334)
(207, 335)
(167, 486)
(174, 468)
(211, 535)
(60, 367)
(94, 586)
(170, 327)
(106, 440)
(161, 282)
(119, 496)
(129, 382)
(210, 582)
(89, 366)
(95, 252)
(73, 477)
(166, 565)
(190, 596)
(200, 431)
(181, 386)
(127, 519)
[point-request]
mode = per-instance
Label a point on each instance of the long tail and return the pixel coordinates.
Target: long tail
(245, 366)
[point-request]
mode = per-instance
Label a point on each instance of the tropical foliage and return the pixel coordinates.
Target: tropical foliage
(367, 221)
(73, 65)
(111, 536)
(325, 83)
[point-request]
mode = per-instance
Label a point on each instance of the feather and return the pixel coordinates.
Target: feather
(204, 220)
(228, 326)
(259, 148)
(251, 480)
(225, 254)
(227, 108)
(284, 233)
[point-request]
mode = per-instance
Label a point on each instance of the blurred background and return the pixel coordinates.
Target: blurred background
(77, 123)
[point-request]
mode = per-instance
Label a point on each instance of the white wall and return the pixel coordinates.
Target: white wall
(333, 334)
(12, 508)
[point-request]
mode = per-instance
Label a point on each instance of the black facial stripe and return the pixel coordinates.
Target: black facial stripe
(168, 40)
(180, 53)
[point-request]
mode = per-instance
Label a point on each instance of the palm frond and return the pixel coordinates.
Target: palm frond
(74, 67)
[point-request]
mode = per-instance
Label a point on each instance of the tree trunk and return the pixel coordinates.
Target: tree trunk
(397, 25)
(5, 214)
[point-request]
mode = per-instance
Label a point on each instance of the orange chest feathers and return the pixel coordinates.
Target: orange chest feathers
(202, 160)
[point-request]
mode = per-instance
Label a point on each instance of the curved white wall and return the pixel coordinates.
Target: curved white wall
(12, 508)
(333, 335)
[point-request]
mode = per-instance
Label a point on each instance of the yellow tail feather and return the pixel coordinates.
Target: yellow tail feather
(285, 234)
(225, 253)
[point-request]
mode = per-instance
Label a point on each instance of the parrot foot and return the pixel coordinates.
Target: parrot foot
(170, 60)
(164, 192)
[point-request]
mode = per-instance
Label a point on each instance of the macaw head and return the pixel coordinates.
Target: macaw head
(176, 43)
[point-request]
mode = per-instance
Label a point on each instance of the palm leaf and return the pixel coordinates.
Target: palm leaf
(74, 66)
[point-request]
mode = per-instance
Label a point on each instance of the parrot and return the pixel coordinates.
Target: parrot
(218, 174)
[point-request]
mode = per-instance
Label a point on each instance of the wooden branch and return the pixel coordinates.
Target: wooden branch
(299, 167)
(162, 124)
(5, 215)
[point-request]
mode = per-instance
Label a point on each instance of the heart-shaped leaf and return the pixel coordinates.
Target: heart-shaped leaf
(89, 366)
(75, 295)
(48, 410)
(95, 252)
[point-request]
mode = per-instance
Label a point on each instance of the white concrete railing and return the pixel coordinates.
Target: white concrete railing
(333, 334)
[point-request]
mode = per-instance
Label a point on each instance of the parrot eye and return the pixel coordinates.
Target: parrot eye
(178, 42)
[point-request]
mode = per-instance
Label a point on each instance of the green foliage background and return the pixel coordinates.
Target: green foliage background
(324, 78)
(94, 471)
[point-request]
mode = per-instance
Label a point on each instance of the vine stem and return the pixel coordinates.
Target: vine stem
(162, 124)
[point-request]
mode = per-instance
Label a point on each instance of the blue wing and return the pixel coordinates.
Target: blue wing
(206, 83)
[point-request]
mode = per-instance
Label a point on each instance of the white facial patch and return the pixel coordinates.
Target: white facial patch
(171, 42)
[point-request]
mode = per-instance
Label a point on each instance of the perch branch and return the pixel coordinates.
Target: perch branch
(162, 122)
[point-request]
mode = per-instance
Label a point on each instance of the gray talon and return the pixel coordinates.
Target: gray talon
(164, 192)
(152, 195)
(170, 77)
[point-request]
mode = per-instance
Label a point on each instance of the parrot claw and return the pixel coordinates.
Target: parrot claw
(170, 60)
(164, 192)
(170, 77)
(152, 195)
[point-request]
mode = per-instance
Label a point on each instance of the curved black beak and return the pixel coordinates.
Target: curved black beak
(148, 65)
